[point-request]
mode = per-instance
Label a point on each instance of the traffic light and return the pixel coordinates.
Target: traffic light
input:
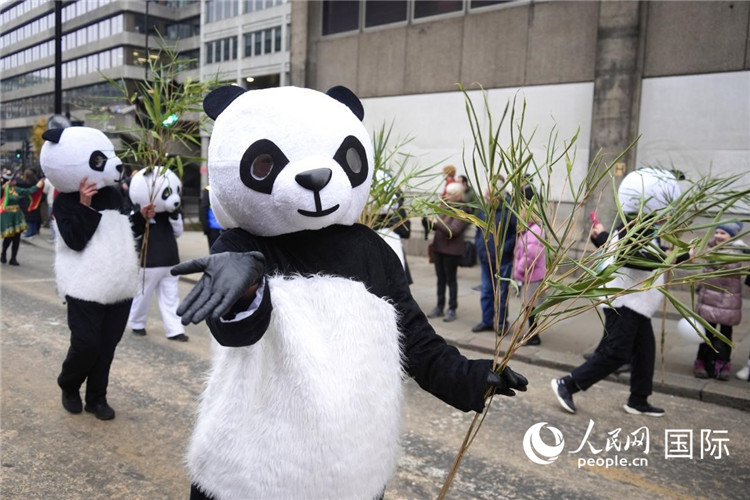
(19, 154)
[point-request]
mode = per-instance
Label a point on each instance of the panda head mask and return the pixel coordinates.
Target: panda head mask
(648, 190)
(287, 159)
(166, 189)
(70, 154)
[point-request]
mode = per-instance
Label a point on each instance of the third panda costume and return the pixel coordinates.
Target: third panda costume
(316, 323)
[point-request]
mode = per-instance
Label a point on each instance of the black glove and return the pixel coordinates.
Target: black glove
(505, 381)
(175, 215)
(226, 278)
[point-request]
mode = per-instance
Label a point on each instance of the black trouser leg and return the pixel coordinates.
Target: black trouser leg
(642, 364)
(14, 242)
(6, 244)
(95, 330)
(621, 329)
(115, 321)
(451, 275)
(442, 278)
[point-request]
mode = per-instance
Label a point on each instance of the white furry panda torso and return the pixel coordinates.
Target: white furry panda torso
(102, 265)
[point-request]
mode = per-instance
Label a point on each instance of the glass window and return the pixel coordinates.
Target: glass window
(249, 6)
(227, 49)
(340, 16)
(267, 35)
(248, 45)
(80, 37)
(258, 42)
(425, 8)
(209, 53)
(277, 39)
(234, 47)
(258, 4)
(104, 60)
(380, 13)
(104, 28)
(484, 3)
(93, 32)
(217, 51)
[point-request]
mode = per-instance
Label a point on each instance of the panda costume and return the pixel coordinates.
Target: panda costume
(314, 318)
(645, 194)
(165, 227)
(95, 259)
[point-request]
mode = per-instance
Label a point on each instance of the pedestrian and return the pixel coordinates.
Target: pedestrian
(157, 196)
(30, 204)
(744, 373)
(211, 227)
(50, 194)
(643, 194)
(449, 175)
(95, 260)
(529, 268)
(448, 246)
(505, 227)
(720, 304)
(470, 197)
(12, 221)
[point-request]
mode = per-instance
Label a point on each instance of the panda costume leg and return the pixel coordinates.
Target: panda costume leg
(148, 280)
(169, 298)
(95, 331)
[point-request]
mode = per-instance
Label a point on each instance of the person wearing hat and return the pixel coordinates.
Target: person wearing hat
(720, 304)
(449, 174)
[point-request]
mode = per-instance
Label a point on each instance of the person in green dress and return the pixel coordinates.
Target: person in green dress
(12, 222)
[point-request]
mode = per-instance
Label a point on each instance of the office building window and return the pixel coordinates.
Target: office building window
(277, 39)
(258, 43)
(340, 16)
(485, 3)
(378, 13)
(426, 8)
(268, 47)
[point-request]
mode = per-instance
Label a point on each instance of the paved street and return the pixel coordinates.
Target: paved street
(50, 454)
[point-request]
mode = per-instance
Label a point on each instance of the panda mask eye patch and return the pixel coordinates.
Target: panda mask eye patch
(261, 164)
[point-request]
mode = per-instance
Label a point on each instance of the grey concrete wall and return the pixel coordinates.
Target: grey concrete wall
(696, 37)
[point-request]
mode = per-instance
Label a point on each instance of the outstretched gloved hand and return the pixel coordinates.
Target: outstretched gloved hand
(507, 380)
(227, 277)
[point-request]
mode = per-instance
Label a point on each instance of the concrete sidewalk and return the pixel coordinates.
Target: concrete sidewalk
(563, 343)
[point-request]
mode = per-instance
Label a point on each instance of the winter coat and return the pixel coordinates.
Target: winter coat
(529, 258)
(505, 221)
(720, 299)
(449, 236)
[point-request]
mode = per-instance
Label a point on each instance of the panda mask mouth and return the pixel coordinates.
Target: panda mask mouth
(315, 180)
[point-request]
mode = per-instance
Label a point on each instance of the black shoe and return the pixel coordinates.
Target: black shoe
(564, 397)
(139, 331)
(436, 312)
(71, 401)
(13, 262)
(481, 327)
(535, 340)
(179, 338)
(450, 315)
(3, 259)
(643, 409)
(102, 411)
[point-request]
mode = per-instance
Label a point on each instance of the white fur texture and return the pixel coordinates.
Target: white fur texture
(106, 270)
(313, 410)
(308, 126)
(646, 302)
(150, 186)
(654, 188)
(67, 162)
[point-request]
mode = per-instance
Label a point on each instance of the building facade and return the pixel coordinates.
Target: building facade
(674, 75)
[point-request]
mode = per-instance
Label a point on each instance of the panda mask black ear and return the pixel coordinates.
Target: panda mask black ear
(348, 98)
(53, 135)
(218, 99)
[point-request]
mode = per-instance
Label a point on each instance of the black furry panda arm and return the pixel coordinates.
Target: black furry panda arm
(76, 223)
(437, 367)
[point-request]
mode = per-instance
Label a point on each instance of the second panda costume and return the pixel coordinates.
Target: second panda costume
(315, 319)
(163, 190)
(95, 259)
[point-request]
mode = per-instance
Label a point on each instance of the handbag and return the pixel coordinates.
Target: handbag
(469, 257)
(430, 254)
